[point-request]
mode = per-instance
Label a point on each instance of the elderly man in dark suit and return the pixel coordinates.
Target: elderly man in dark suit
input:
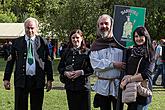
(32, 61)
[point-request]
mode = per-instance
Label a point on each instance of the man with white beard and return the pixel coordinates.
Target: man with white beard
(106, 60)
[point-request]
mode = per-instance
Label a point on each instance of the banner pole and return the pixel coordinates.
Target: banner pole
(120, 105)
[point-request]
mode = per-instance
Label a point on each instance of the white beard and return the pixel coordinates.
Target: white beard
(104, 34)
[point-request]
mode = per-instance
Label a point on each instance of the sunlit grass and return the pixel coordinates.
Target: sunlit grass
(56, 98)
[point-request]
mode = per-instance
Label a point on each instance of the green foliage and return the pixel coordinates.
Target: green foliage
(59, 17)
(83, 14)
(7, 17)
(56, 99)
(24, 9)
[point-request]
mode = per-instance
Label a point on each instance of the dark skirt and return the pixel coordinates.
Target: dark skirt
(78, 100)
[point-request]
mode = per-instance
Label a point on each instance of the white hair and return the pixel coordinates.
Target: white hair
(31, 19)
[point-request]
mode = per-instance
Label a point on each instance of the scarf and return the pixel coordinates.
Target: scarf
(102, 43)
(139, 51)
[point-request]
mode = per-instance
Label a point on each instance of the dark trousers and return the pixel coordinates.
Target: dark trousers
(163, 75)
(78, 100)
(132, 106)
(159, 72)
(36, 95)
(104, 102)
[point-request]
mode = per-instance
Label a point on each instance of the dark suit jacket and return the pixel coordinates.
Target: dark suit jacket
(18, 57)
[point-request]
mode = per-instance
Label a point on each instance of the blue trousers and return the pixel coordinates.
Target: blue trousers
(135, 106)
(159, 72)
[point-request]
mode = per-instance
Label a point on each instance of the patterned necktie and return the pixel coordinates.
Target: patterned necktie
(30, 53)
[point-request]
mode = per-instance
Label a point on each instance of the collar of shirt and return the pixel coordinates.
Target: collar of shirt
(32, 38)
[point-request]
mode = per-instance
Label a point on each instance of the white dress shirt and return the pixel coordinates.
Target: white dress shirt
(30, 69)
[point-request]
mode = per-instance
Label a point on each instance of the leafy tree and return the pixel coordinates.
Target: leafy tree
(155, 16)
(24, 8)
(63, 16)
(59, 17)
(7, 17)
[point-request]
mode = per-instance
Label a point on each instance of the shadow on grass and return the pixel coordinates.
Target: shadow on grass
(58, 88)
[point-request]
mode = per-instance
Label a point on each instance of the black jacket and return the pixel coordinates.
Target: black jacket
(18, 57)
(145, 68)
(78, 62)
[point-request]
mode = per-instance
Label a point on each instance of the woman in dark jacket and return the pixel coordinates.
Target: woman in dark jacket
(142, 50)
(75, 69)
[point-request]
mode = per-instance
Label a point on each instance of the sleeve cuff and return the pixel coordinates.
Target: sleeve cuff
(82, 72)
(111, 65)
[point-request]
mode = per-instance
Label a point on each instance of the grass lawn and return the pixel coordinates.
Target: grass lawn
(56, 98)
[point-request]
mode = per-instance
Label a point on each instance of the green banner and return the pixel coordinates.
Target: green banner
(126, 20)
